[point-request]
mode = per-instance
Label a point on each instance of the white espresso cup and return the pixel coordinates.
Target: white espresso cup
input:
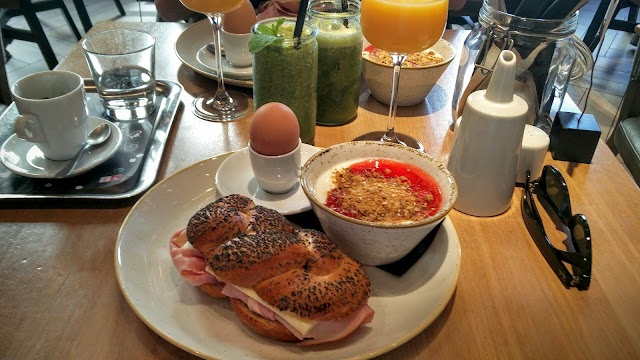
(236, 48)
(53, 112)
(276, 174)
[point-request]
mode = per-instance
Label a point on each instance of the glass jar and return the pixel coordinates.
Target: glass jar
(339, 59)
(286, 71)
(547, 51)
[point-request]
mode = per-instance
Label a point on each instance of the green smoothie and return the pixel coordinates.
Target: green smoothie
(286, 71)
(339, 68)
(339, 59)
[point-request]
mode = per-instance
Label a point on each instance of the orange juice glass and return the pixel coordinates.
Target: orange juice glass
(212, 6)
(403, 26)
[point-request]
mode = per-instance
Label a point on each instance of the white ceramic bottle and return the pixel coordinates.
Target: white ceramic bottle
(486, 146)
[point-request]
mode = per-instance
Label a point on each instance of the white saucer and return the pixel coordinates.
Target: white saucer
(25, 158)
(191, 50)
(235, 176)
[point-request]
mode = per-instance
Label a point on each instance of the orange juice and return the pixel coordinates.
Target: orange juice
(403, 26)
(212, 6)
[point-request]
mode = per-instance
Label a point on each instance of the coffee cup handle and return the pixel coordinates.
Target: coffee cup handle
(27, 128)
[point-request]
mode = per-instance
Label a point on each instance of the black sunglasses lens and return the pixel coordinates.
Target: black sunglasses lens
(578, 232)
(554, 190)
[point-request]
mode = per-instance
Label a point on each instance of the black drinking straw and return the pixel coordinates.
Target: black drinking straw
(345, 8)
(302, 11)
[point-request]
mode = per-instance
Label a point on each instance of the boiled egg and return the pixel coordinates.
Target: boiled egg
(240, 20)
(274, 129)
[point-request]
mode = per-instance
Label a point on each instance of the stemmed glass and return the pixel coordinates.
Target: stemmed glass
(224, 105)
(401, 28)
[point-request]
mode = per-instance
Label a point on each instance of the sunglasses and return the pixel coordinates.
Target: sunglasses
(551, 190)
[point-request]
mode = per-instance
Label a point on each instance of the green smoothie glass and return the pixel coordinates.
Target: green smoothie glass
(285, 70)
(339, 59)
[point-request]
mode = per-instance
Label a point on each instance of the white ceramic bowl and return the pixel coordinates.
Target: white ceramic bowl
(415, 82)
(368, 242)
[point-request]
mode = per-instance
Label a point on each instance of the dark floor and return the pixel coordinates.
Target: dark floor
(611, 73)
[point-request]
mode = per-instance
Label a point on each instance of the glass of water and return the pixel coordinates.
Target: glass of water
(122, 63)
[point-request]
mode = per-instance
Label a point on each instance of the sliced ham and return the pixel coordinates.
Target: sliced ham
(326, 331)
(323, 331)
(189, 261)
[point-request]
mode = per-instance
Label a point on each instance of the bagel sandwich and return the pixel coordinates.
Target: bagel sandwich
(284, 284)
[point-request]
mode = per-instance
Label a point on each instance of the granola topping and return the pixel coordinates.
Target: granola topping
(419, 59)
(385, 191)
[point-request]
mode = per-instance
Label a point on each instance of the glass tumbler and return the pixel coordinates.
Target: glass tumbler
(122, 63)
(339, 59)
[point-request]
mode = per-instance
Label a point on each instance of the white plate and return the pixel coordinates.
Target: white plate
(191, 50)
(203, 326)
(25, 158)
(234, 176)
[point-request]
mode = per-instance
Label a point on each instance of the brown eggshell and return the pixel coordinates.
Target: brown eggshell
(240, 20)
(274, 129)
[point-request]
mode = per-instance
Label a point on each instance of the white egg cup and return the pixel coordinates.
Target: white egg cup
(276, 174)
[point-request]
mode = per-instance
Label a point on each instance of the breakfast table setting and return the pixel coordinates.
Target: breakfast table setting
(85, 257)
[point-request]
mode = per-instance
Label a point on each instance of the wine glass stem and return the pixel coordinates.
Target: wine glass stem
(221, 100)
(390, 135)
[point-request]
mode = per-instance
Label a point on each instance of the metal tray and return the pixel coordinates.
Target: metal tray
(128, 173)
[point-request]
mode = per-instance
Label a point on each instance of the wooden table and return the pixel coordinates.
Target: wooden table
(59, 297)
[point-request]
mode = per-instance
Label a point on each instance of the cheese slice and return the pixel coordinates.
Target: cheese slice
(298, 323)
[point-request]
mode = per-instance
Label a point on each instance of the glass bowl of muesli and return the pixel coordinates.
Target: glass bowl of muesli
(420, 72)
(377, 200)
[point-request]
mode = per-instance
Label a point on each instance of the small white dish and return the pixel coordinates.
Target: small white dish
(191, 50)
(25, 158)
(235, 176)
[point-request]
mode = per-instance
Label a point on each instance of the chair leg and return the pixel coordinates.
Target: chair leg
(41, 39)
(120, 8)
(83, 14)
(47, 5)
(69, 19)
(633, 13)
(591, 37)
